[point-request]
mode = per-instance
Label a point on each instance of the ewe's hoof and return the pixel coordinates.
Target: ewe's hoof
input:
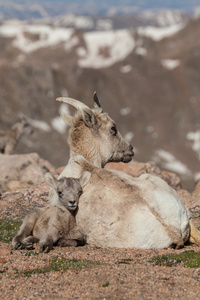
(44, 249)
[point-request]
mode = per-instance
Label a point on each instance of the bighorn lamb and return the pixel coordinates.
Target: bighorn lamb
(9, 138)
(117, 210)
(53, 225)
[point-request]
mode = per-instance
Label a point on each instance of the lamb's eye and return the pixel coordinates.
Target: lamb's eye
(80, 193)
(113, 130)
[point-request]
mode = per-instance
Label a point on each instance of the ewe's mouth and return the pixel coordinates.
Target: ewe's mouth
(128, 157)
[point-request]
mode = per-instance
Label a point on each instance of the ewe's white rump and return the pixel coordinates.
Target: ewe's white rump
(117, 210)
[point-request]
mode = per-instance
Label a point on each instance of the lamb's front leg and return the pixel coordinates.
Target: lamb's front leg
(28, 242)
(25, 230)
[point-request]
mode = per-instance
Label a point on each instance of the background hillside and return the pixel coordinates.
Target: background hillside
(146, 77)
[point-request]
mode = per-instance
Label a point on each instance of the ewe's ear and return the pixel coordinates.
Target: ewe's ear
(67, 119)
(51, 180)
(89, 118)
(85, 177)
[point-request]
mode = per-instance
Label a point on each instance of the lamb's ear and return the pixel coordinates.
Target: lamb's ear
(67, 119)
(85, 177)
(89, 118)
(51, 180)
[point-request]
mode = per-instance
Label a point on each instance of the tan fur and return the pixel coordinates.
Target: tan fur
(53, 225)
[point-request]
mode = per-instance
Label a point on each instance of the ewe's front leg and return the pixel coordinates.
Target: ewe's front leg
(70, 242)
(66, 243)
(46, 244)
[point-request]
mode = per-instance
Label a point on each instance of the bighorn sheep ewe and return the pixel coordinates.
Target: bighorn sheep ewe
(9, 138)
(117, 210)
(53, 225)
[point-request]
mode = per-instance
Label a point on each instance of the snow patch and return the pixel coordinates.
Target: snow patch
(170, 64)
(168, 161)
(129, 136)
(125, 111)
(195, 138)
(105, 48)
(45, 36)
(126, 69)
(141, 51)
(40, 125)
(158, 34)
(163, 17)
(58, 123)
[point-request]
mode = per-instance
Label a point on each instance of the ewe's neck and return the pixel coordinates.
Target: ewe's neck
(74, 170)
(93, 157)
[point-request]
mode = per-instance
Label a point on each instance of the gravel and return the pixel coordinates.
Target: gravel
(120, 274)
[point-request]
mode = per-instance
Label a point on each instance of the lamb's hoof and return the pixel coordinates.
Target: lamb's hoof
(18, 246)
(29, 246)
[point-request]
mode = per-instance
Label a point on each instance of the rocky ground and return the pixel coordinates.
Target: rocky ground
(86, 272)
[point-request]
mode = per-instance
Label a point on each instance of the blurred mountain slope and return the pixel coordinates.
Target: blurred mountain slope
(149, 86)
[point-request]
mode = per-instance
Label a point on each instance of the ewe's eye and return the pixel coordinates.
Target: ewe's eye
(113, 130)
(60, 193)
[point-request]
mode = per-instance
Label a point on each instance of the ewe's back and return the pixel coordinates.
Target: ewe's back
(117, 210)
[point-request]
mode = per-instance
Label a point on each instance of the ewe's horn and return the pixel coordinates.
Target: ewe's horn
(97, 104)
(76, 103)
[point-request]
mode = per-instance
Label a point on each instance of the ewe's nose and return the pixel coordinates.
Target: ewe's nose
(130, 147)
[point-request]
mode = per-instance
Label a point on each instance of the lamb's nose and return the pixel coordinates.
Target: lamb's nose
(72, 202)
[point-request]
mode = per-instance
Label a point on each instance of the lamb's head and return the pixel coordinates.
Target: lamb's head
(94, 135)
(68, 190)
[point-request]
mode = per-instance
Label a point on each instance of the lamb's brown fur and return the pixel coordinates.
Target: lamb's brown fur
(53, 225)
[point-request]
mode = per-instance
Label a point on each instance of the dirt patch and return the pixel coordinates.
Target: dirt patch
(86, 272)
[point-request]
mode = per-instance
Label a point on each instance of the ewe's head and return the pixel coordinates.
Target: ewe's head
(93, 134)
(68, 189)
